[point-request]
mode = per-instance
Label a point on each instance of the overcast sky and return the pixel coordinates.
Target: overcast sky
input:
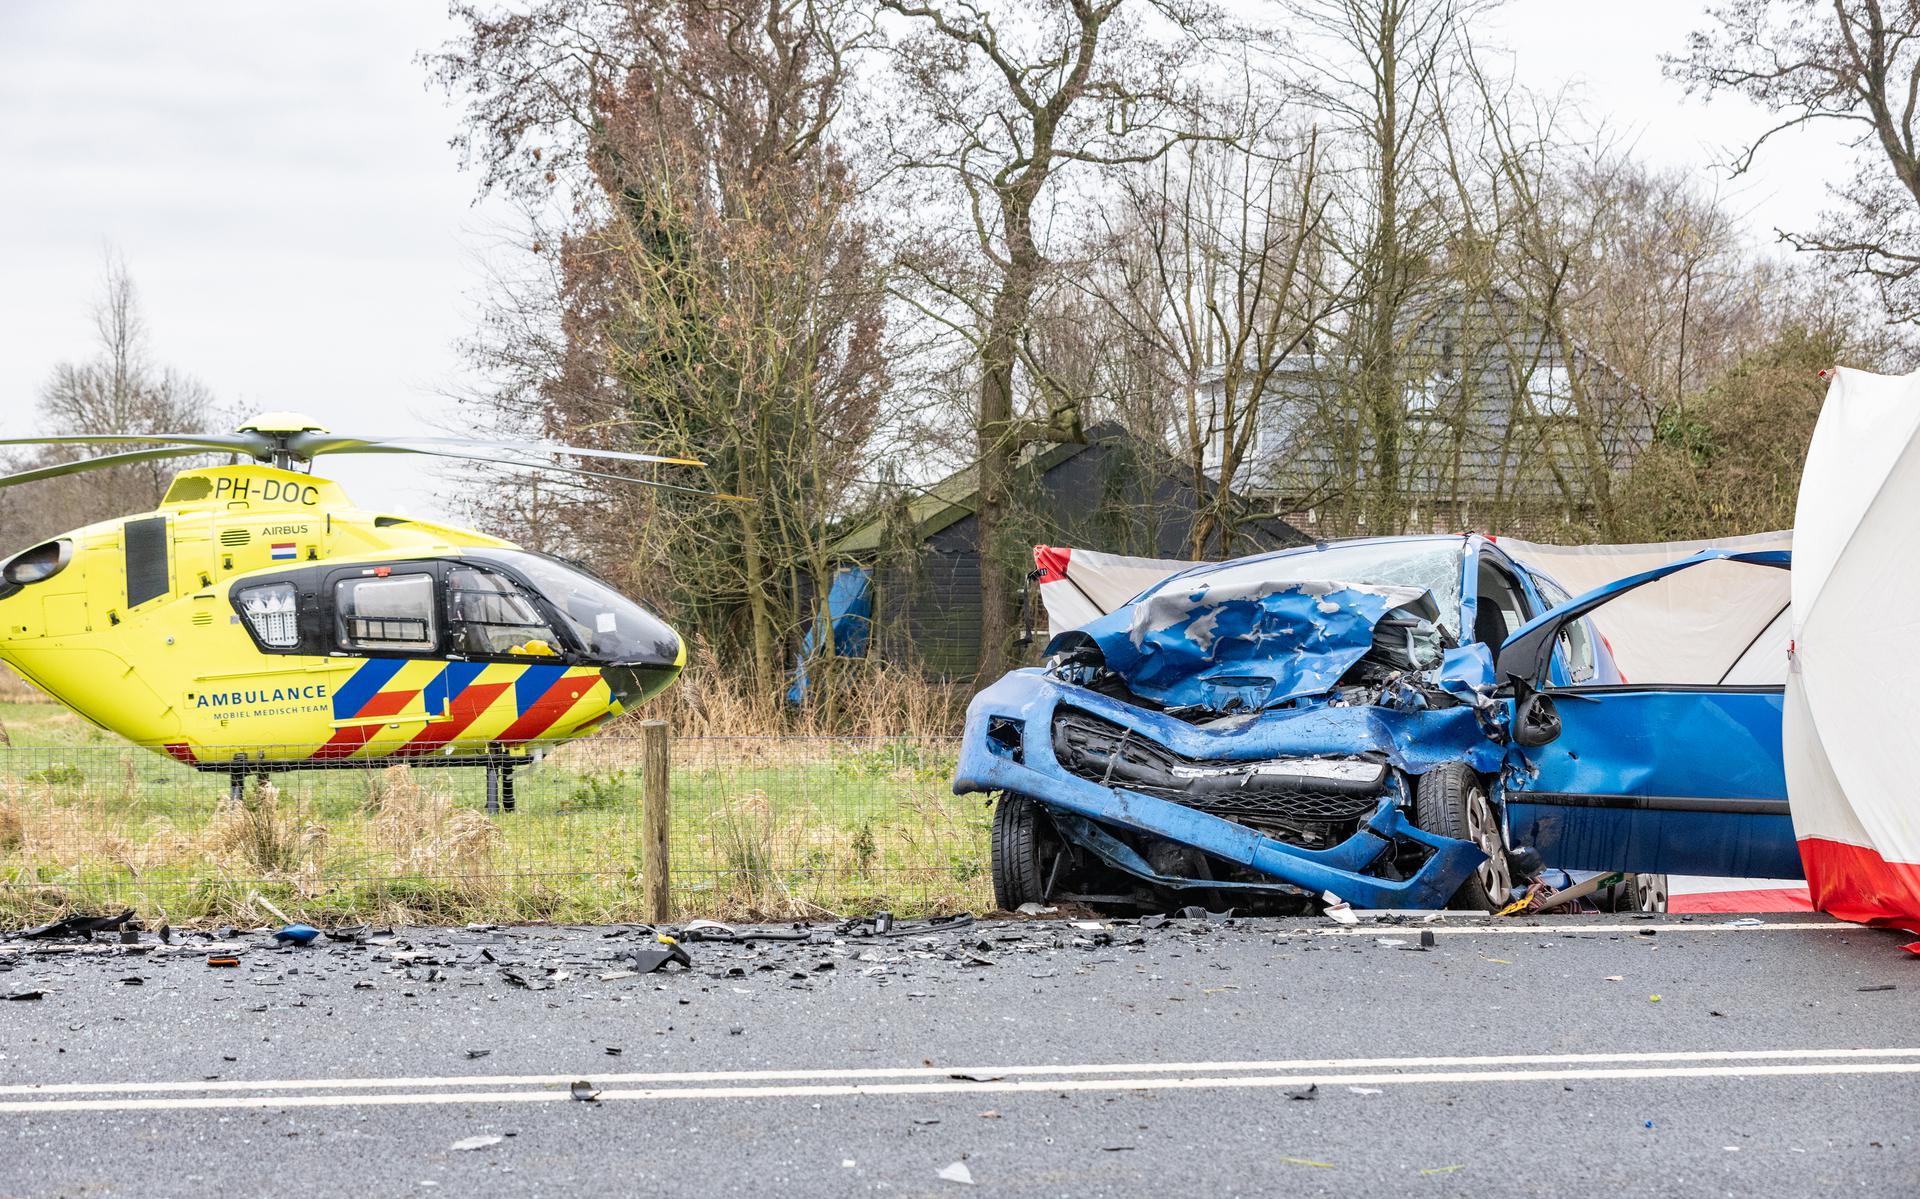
(278, 180)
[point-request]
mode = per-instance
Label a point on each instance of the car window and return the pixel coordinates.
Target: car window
(386, 612)
(1501, 607)
(1576, 639)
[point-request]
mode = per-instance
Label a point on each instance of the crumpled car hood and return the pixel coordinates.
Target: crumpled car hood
(1246, 647)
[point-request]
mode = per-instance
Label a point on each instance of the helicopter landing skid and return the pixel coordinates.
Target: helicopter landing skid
(499, 765)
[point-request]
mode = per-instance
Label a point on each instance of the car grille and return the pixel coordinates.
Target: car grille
(1273, 794)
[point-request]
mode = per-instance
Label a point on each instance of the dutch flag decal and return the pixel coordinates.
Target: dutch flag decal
(283, 551)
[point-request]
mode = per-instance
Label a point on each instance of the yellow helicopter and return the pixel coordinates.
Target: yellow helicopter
(258, 620)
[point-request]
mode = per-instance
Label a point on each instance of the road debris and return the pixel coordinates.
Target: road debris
(584, 1091)
(297, 934)
(658, 957)
(957, 1172)
(484, 1141)
(78, 926)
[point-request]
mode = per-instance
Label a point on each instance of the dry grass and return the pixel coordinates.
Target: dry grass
(16, 690)
(771, 820)
(762, 828)
(427, 834)
(864, 699)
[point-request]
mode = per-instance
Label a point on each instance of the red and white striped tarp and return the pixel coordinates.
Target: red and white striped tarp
(1852, 736)
(1077, 586)
(1695, 893)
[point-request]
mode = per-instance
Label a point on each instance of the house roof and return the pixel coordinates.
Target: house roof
(951, 499)
(1312, 362)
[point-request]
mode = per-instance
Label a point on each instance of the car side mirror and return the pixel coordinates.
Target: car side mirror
(1536, 721)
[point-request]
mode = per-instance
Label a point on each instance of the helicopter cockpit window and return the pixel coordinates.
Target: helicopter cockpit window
(608, 625)
(386, 612)
(271, 611)
(491, 615)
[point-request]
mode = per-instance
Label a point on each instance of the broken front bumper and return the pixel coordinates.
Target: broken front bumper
(1009, 746)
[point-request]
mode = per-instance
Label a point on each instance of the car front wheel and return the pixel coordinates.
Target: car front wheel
(1452, 801)
(1026, 847)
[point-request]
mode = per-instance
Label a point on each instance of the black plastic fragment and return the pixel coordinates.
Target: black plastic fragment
(81, 926)
(657, 957)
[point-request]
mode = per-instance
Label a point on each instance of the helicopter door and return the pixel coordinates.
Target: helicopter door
(387, 616)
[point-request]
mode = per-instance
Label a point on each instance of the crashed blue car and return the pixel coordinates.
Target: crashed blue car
(1395, 722)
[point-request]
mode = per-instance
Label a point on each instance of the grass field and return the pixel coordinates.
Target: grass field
(762, 827)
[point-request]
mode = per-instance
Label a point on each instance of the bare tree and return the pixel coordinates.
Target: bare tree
(999, 103)
(1385, 72)
(710, 286)
(1215, 266)
(1852, 62)
(120, 389)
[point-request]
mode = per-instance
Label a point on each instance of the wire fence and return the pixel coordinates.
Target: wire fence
(769, 828)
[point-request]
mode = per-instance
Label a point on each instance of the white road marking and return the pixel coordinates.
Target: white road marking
(1000, 1086)
(945, 1072)
(533, 1087)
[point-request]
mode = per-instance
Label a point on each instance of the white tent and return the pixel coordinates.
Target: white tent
(1852, 732)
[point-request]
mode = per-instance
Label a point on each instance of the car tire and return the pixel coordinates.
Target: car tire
(1452, 801)
(1639, 893)
(1025, 845)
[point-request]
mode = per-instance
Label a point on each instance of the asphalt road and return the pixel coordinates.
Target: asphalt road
(1264, 1057)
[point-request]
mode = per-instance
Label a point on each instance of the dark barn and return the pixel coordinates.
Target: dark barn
(1113, 492)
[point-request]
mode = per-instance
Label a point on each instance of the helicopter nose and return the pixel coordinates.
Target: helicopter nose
(634, 684)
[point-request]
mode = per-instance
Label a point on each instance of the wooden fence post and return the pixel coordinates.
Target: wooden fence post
(656, 803)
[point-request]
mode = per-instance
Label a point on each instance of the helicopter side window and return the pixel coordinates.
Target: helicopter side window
(271, 611)
(490, 615)
(394, 613)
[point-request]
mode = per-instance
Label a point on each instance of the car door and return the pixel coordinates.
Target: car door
(1682, 777)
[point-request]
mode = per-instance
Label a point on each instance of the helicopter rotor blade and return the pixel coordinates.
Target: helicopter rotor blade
(81, 465)
(252, 444)
(584, 473)
(314, 444)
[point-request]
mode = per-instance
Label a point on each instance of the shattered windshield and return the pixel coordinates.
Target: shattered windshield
(1434, 565)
